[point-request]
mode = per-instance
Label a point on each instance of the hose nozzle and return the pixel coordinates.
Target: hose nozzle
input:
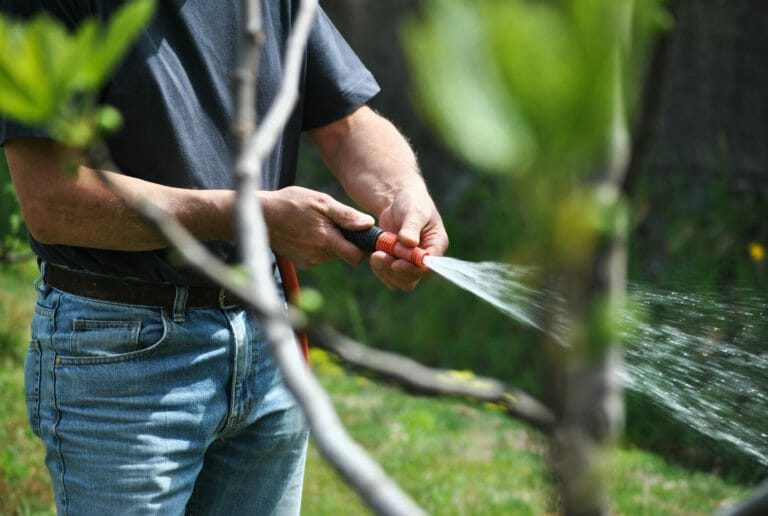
(376, 239)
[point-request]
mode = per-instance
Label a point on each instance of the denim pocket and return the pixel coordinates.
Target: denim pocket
(100, 332)
(32, 365)
(103, 338)
(101, 342)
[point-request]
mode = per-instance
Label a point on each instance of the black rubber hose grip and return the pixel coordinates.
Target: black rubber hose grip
(364, 239)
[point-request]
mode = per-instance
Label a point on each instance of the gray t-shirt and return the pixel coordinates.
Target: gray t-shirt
(174, 92)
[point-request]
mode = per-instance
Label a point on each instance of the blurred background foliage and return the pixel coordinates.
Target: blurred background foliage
(696, 189)
(13, 233)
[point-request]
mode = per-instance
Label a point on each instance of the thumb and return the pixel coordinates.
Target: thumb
(347, 217)
(410, 231)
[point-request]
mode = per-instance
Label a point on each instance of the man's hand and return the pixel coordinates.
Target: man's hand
(378, 169)
(303, 226)
(415, 220)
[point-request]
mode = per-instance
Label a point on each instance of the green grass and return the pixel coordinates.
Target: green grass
(453, 457)
(24, 486)
(457, 458)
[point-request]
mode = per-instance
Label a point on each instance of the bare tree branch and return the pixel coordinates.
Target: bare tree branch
(360, 471)
(263, 140)
(251, 39)
(252, 229)
(417, 377)
(755, 505)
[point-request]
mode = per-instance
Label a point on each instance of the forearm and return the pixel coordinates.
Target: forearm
(371, 159)
(98, 216)
(75, 207)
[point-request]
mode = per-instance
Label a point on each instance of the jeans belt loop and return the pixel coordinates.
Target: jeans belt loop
(180, 303)
(40, 285)
(223, 294)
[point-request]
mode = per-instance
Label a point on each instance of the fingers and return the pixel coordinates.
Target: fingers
(395, 273)
(415, 226)
(346, 216)
(435, 239)
(344, 249)
(303, 226)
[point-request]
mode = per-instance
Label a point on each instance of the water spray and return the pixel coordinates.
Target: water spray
(376, 239)
(501, 285)
(711, 381)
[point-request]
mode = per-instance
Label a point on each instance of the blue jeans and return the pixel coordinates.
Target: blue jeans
(148, 412)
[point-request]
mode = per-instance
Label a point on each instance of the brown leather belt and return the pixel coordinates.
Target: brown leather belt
(133, 292)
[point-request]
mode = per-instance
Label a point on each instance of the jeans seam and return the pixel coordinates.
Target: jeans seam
(57, 441)
(33, 399)
(51, 313)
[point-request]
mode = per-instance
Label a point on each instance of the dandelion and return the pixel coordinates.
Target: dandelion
(756, 251)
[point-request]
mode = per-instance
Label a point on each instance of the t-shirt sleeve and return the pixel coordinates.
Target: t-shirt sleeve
(336, 80)
(10, 130)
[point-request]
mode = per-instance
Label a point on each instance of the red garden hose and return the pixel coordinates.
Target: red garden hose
(376, 239)
(292, 294)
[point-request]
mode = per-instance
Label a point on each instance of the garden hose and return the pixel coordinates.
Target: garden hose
(292, 292)
(376, 239)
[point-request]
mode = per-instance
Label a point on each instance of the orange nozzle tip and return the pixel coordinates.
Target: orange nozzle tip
(417, 257)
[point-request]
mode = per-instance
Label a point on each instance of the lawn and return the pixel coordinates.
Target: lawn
(459, 459)
(452, 456)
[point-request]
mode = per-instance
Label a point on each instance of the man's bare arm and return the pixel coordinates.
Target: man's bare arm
(378, 169)
(64, 202)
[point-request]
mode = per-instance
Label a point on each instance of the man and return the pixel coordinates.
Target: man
(151, 393)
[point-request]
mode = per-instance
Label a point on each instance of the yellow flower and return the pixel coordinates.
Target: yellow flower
(756, 251)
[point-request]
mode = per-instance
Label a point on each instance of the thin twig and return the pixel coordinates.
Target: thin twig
(263, 140)
(251, 227)
(359, 470)
(413, 376)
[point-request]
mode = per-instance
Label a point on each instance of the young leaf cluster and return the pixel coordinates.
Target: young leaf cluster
(50, 76)
(518, 86)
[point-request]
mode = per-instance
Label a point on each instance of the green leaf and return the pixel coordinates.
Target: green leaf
(459, 88)
(123, 28)
(24, 94)
(517, 84)
(49, 77)
(312, 300)
(108, 119)
(84, 44)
